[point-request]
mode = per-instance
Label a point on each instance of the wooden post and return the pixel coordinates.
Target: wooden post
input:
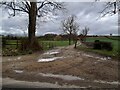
(49, 45)
(17, 44)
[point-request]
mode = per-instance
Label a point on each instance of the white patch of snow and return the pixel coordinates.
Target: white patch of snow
(18, 71)
(49, 59)
(114, 82)
(64, 77)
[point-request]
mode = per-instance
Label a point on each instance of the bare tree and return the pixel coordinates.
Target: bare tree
(70, 27)
(84, 34)
(33, 9)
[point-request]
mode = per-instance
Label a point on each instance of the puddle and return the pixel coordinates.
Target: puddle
(108, 58)
(51, 53)
(9, 59)
(95, 62)
(101, 58)
(27, 84)
(18, 71)
(88, 55)
(19, 58)
(49, 59)
(14, 58)
(114, 82)
(64, 77)
(50, 56)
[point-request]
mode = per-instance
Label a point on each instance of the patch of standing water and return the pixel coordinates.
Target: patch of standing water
(114, 82)
(64, 77)
(48, 56)
(19, 58)
(101, 58)
(9, 59)
(49, 59)
(18, 71)
(51, 53)
(14, 58)
(88, 55)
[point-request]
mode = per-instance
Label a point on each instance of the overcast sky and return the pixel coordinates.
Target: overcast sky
(86, 15)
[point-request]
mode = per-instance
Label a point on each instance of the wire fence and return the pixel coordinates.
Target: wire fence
(16, 44)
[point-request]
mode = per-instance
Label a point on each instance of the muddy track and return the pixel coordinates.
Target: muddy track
(97, 71)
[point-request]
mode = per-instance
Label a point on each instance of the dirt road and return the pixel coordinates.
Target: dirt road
(63, 66)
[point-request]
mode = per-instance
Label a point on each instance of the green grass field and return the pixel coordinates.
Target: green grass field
(50, 44)
(115, 44)
(45, 44)
(11, 47)
(57, 43)
(66, 43)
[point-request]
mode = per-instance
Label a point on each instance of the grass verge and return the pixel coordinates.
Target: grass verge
(113, 53)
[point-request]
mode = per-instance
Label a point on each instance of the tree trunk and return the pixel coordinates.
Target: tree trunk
(32, 43)
(70, 38)
(75, 43)
(69, 41)
(32, 23)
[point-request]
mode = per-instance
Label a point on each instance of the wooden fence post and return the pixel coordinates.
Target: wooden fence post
(49, 45)
(17, 44)
(4, 42)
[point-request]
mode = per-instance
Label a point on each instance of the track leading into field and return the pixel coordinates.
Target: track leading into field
(94, 70)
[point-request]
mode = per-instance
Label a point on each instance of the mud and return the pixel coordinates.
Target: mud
(93, 70)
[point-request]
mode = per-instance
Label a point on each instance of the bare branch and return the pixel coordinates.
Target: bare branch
(42, 4)
(14, 6)
(26, 5)
(47, 6)
(23, 6)
(42, 9)
(85, 31)
(111, 8)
